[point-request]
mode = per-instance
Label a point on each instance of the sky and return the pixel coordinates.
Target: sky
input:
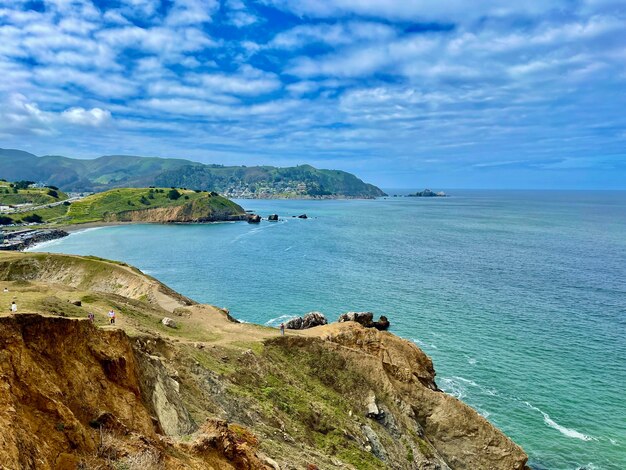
(403, 93)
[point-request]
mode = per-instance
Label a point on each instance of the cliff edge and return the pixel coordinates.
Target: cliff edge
(207, 392)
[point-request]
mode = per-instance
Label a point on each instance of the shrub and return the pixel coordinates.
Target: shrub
(53, 193)
(173, 194)
(36, 218)
(24, 184)
(4, 220)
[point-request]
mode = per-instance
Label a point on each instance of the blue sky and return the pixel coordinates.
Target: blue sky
(404, 93)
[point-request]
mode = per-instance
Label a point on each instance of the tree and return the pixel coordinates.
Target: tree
(24, 184)
(173, 194)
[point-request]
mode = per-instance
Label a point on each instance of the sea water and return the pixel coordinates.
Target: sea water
(519, 297)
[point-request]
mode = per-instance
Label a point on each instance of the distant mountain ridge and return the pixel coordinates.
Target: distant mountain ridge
(116, 171)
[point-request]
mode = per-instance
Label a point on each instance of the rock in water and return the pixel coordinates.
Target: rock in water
(302, 216)
(273, 218)
(169, 322)
(310, 320)
(254, 219)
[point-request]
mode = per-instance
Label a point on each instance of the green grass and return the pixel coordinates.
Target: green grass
(311, 390)
(116, 202)
(38, 196)
(56, 214)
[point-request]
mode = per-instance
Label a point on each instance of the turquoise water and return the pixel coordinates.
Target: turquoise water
(520, 298)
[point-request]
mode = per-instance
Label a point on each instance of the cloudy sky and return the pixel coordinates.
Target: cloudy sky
(405, 93)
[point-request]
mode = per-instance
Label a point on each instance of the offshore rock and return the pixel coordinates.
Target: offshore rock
(254, 219)
(273, 218)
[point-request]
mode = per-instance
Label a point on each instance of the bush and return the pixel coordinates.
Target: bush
(53, 193)
(187, 197)
(24, 184)
(4, 220)
(173, 194)
(33, 218)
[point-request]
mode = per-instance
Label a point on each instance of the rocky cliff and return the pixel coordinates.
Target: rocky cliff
(211, 393)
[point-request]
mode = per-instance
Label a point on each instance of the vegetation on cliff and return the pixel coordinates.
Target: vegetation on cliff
(117, 171)
(22, 192)
(211, 393)
(141, 205)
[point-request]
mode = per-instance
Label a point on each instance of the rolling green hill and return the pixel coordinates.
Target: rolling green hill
(116, 171)
(164, 205)
(17, 193)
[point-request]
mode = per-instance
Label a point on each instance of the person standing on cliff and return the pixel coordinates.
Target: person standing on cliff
(91, 317)
(111, 317)
(13, 307)
(282, 329)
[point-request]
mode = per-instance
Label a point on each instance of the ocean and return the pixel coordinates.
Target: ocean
(518, 296)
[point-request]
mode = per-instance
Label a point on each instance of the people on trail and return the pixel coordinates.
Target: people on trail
(91, 317)
(111, 317)
(6, 289)
(282, 329)
(13, 307)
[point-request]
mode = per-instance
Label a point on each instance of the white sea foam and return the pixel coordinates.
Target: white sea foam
(453, 387)
(289, 248)
(278, 320)
(562, 429)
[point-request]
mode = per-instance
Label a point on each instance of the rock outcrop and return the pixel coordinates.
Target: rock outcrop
(366, 319)
(254, 219)
(191, 212)
(273, 217)
(309, 320)
(169, 322)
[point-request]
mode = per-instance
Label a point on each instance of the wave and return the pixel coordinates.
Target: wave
(278, 320)
(453, 387)
(562, 429)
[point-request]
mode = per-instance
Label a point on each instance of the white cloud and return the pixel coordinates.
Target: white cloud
(191, 12)
(417, 10)
(94, 117)
(335, 34)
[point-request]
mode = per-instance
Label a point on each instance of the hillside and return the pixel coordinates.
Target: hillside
(131, 171)
(16, 194)
(163, 205)
(209, 392)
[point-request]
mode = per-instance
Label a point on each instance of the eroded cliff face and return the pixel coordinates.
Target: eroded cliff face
(74, 396)
(404, 375)
(213, 393)
(194, 211)
(58, 376)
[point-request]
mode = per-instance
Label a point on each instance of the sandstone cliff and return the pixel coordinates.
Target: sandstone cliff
(212, 393)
